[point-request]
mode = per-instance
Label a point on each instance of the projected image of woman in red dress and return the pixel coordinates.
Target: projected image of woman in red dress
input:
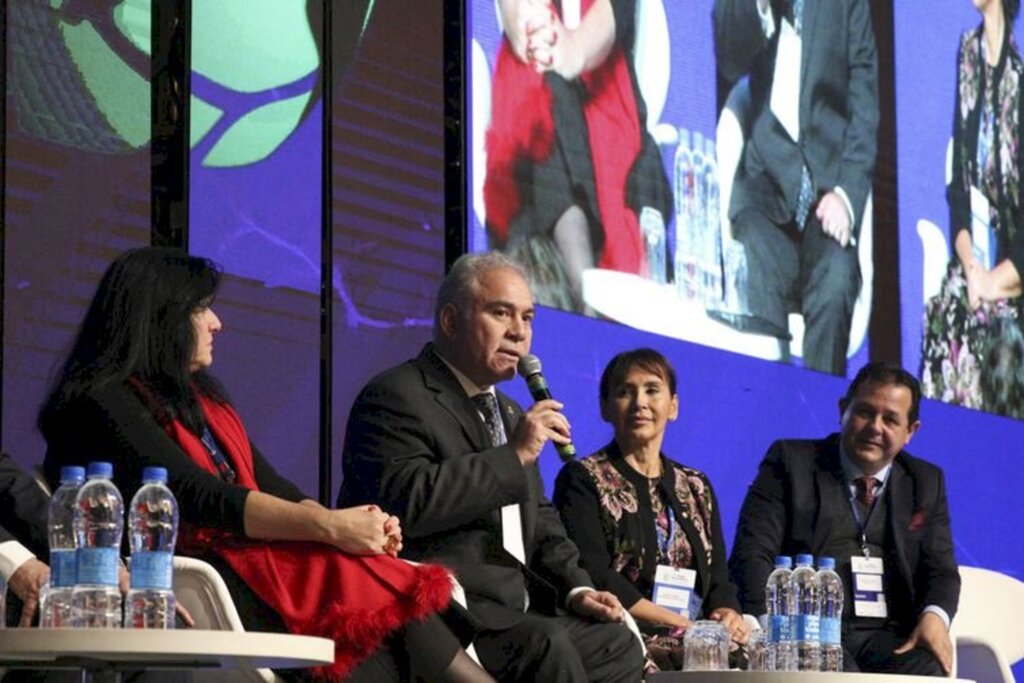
(570, 164)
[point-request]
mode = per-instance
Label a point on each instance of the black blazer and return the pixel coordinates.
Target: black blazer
(24, 507)
(416, 445)
(783, 514)
(838, 103)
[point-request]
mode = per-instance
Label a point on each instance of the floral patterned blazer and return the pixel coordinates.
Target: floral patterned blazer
(606, 507)
(1000, 180)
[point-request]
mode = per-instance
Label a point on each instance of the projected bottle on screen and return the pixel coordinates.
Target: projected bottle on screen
(711, 264)
(652, 227)
(685, 261)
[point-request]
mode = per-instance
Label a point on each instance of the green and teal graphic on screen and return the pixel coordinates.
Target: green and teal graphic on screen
(79, 75)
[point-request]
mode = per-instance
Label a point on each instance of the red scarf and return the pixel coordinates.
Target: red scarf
(354, 600)
(522, 128)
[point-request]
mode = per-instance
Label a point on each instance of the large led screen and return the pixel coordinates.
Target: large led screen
(613, 179)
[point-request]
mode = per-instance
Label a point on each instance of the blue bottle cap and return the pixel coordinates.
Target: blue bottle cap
(784, 561)
(72, 474)
(100, 469)
(826, 563)
(804, 559)
(154, 474)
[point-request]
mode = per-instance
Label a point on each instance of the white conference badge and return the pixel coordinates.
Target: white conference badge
(673, 590)
(868, 591)
(785, 101)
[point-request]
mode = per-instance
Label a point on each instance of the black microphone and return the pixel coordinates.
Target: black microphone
(529, 369)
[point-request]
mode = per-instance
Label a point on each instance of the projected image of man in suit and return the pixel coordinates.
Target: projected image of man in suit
(456, 460)
(882, 513)
(805, 175)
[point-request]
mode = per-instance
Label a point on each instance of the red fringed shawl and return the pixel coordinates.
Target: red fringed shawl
(522, 128)
(356, 601)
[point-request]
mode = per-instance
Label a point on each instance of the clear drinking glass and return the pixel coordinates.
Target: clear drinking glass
(706, 647)
(757, 651)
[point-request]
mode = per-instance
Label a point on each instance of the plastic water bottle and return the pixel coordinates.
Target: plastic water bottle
(806, 610)
(152, 530)
(61, 527)
(99, 523)
(779, 604)
(685, 194)
(831, 615)
(712, 264)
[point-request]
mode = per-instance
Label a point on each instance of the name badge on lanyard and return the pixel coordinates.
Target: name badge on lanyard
(674, 590)
(868, 591)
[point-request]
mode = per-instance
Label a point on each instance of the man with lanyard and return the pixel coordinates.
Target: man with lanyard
(456, 459)
(881, 512)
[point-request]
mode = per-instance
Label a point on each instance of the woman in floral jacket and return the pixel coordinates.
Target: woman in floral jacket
(630, 509)
(973, 351)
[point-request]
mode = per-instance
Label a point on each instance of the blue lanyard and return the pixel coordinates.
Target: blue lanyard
(223, 466)
(862, 525)
(665, 540)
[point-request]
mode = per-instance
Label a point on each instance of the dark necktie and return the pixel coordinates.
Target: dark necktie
(487, 404)
(866, 490)
(805, 196)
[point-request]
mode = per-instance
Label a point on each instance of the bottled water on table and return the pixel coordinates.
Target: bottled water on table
(781, 655)
(831, 615)
(99, 522)
(806, 610)
(153, 530)
(56, 613)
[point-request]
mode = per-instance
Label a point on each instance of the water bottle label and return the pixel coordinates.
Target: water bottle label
(807, 627)
(830, 630)
(62, 568)
(97, 566)
(780, 628)
(152, 570)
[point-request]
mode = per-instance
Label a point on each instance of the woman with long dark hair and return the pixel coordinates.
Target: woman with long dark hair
(135, 390)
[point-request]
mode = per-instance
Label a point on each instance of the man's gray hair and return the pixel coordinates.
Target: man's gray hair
(458, 285)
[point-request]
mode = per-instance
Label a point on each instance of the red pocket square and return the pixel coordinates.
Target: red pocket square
(917, 521)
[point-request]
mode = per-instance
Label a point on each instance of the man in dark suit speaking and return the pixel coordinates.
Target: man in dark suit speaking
(880, 512)
(803, 181)
(435, 443)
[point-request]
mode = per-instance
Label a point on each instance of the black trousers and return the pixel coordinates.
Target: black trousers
(806, 271)
(871, 650)
(561, 649)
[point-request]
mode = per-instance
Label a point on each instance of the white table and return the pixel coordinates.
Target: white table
(646, 305)
(122, 649)
(788, 677)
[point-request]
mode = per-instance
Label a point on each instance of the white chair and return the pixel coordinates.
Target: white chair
(985, 630)
(733, 129)
(202, 591)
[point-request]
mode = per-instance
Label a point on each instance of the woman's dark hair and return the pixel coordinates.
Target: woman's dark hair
(138, 329)
(645, 359)
(1010, 10)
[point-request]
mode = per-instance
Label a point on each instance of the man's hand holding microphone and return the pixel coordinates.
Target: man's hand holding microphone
(543, 421)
